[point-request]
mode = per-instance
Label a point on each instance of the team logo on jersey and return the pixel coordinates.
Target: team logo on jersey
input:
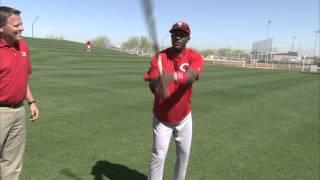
(183, 67)
(23, 53)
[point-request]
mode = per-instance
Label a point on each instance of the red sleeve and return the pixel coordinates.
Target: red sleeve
(153, 72)
(196, 63)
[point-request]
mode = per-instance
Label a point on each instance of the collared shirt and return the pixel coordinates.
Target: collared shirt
(174, 109)
(15, 68)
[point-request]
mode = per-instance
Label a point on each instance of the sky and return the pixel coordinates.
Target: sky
(214, 23)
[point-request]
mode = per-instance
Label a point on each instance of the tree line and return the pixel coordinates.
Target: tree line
(142, 45)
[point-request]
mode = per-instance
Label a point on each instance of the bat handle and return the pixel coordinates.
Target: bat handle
(160, 65)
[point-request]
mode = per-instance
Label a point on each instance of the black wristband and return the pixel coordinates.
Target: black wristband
(31, 102)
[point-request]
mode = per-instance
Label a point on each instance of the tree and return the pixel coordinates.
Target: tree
(101, 41)
(232, 53)
(57, 37)
(222, 51)
(139, 44)
(206, 52)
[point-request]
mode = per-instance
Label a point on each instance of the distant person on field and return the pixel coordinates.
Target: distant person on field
(15, 69)
(88, 45)
(172, 90)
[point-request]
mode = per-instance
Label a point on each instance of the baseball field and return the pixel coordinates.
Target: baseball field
(96, 110)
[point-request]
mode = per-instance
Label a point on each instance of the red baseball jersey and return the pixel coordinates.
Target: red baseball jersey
(15, 68)
(174, 108)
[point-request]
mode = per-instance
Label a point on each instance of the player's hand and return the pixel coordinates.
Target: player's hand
(34, 111)
(162, 88)
(164, 81)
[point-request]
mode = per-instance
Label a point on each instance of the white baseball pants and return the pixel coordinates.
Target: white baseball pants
(182, 134)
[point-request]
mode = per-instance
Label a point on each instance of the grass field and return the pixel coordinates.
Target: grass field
(96, 120)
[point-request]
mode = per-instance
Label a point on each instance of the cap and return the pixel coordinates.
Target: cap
(180, 25)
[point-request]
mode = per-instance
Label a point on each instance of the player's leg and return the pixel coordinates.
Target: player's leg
(183, 138)
(161, 140)
(13, 125)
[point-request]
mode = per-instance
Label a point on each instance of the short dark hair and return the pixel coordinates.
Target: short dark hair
(5, 12)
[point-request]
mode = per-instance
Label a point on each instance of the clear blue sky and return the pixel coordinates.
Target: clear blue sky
(214, 24)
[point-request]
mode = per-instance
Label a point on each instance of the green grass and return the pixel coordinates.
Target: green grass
(96, 118)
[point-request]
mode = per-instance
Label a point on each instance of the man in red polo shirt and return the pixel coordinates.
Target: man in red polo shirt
(172, 105)
(14, 89)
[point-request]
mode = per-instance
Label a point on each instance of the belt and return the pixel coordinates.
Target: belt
(14, 106)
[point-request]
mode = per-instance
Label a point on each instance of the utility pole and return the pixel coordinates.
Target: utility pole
(34, 21)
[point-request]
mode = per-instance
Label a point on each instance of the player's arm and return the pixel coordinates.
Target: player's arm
(191, 76)
(153, 85)
(34, 111)
(192, 73)
(188, 77)
(157, 83)
(159, 86)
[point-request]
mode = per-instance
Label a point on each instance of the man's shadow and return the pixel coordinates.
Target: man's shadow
(115, 172)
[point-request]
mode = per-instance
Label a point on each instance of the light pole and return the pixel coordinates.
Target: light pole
(34, 21)
(267, 44)
(315, 43)
(228, 47)
(293, 41)
(214, 50)
(228, 44)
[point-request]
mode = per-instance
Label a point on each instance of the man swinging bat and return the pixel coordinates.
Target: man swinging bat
(172, 89)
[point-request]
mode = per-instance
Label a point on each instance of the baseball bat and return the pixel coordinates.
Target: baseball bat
(150, 21)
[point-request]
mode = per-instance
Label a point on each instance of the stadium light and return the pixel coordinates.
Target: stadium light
(34, 21)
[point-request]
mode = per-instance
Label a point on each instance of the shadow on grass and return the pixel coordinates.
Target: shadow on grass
(115, 172)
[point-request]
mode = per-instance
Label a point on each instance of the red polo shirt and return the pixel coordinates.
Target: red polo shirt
(174, 109)
(15, 68)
